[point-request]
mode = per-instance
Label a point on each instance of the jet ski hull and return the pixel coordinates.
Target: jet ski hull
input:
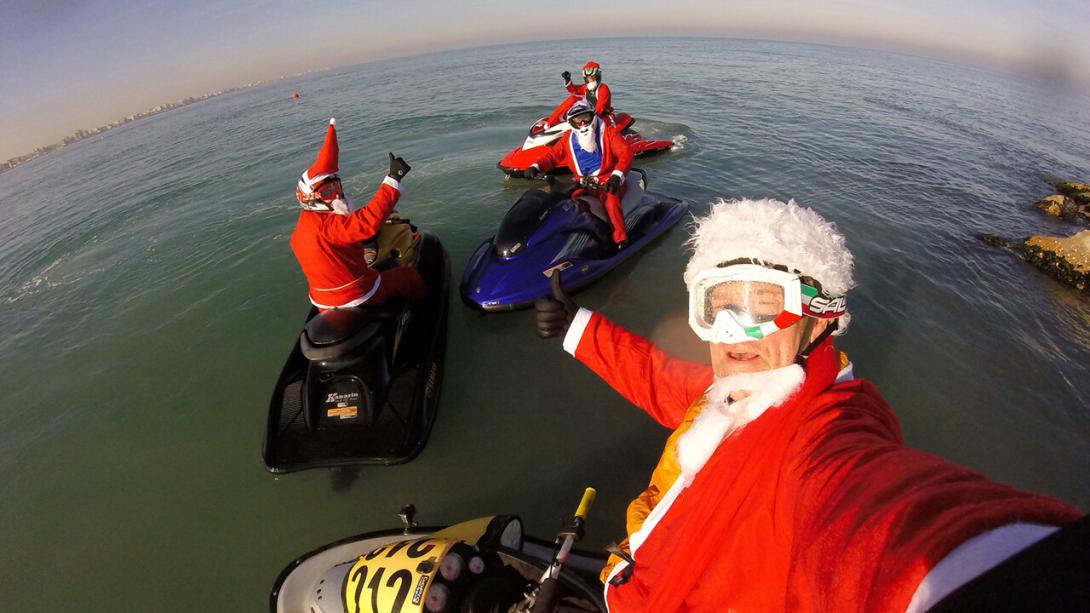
(296, 587)
(506, 274)
(370, 396)
(520, 158)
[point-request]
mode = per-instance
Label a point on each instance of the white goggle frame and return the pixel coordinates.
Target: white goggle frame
(728, 327)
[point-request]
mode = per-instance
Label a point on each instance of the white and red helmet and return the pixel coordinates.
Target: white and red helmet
(591, 70)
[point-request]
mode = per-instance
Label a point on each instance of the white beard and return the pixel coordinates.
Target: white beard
(721, 417)
(585, 137)
(344, 206)
(592, 85)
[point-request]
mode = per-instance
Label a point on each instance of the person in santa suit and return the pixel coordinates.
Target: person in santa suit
(332, 230)
(786, 484)
(593, 91)
(593, 149)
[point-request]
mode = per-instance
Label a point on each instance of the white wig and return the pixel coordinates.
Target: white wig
(774, 233)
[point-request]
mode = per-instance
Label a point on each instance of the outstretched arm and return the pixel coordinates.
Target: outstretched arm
(553, 155)
(365, 222)
(663, 386)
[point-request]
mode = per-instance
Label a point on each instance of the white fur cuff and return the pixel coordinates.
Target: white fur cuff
(392, 182)
(576, 329)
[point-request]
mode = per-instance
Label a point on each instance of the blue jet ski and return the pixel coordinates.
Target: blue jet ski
(553, 230)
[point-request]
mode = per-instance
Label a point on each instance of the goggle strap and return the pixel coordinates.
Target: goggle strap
(803, 355)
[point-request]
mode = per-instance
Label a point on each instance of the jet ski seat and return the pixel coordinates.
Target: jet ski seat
(635, 181)
(337, 333)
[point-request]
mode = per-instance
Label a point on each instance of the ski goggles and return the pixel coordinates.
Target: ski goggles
(581, 121)
(745, 302)
(327, 191)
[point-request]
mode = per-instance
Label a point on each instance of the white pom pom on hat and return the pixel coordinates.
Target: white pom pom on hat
(773, 232)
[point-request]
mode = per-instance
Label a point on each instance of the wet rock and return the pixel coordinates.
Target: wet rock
(1058, 205)
(1079, 192)
(996, 241)
(1066, 259)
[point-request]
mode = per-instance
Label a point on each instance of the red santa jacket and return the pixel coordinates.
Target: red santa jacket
(603, 99)
(816, 505)
(616, 154)
(328, 248)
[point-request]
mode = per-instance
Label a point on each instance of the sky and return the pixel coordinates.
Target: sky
(72, 64)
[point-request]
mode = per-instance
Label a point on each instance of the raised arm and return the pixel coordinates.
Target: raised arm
(663, 386)
(364, 223)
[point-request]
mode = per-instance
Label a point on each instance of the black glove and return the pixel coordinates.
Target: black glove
(398, 168)
(532, 172)
(553, 314)
(567, 76)
(613, 186)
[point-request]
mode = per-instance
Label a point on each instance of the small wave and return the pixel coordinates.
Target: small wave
(42, 282)
(679, 141)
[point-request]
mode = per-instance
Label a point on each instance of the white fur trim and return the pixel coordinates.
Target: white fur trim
(357, 301)
(332, 121)
(576, 329)
(973, 558)
(776, 233)
(619, 174)
(392, 182)
(722, 417)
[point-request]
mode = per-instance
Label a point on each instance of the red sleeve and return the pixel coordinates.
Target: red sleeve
(872, 516)
(553, 155)
(604, 106)
(363, 223)
(621, 151)
(578, 90)
(663, 386)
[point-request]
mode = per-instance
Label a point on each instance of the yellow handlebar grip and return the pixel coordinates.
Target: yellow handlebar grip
(585, 503)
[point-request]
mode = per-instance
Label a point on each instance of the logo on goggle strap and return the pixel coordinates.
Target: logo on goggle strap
(820, 305)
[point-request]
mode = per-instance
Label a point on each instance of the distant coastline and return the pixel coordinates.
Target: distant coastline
(79, 135)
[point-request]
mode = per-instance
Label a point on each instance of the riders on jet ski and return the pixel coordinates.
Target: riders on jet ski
(327, 239)
(595, 92)
(593, 150)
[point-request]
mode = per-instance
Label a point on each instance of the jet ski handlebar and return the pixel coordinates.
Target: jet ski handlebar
(545, 596)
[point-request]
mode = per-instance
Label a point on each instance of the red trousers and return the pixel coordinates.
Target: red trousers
(612, 202)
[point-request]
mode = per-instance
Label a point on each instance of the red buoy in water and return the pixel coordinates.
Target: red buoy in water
(295, 95)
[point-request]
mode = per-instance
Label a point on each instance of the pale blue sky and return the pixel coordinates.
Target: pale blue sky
(70, 64)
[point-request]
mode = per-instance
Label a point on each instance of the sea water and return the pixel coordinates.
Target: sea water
(148, 298)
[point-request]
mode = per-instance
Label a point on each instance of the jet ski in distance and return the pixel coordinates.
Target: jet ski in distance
(560, 230)
(541, 134)
(361, 385)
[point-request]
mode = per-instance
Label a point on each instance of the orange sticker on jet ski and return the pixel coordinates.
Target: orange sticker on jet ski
(343, 412)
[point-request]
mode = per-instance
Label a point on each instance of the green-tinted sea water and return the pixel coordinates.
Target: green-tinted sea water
(148, 298)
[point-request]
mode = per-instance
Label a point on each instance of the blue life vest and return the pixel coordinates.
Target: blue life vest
(588, 163)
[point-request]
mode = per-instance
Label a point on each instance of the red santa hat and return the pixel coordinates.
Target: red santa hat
(326, 164)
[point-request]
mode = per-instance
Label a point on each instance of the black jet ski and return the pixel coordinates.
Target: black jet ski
(484, 565)
(361, 385)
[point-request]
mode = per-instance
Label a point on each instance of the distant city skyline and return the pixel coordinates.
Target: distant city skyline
(74, 64)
